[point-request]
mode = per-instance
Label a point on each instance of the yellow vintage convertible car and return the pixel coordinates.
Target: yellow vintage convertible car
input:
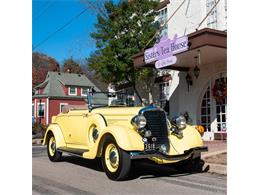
(120, 134)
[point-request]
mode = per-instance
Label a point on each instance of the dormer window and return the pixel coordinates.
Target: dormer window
(84, 91)
(72, 91)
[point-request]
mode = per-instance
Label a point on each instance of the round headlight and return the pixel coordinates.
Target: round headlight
(139, 121)
(181, 122)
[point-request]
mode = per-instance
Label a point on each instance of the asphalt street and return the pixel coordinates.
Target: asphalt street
(74, 175)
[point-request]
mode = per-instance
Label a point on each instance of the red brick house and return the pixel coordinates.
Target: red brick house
(57, 90)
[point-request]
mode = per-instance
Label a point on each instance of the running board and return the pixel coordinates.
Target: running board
(73, 151)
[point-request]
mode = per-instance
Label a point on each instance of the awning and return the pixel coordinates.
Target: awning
(211, 43)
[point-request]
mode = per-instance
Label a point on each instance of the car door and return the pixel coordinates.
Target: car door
(77, 130)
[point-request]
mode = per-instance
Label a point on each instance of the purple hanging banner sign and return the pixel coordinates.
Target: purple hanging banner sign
(166, 62)
(165, 49)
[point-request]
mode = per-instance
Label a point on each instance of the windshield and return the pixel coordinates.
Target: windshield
(110, 99)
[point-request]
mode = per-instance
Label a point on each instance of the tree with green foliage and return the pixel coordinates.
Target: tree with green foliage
(123, 31)
(72, 66)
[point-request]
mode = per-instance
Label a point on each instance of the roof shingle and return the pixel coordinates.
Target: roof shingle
(55, 81)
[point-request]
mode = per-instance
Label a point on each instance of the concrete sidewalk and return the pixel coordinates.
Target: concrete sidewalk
(215, 148)
(216, 145)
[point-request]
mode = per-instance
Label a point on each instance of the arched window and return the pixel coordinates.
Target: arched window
(221, 111)
(212, 114)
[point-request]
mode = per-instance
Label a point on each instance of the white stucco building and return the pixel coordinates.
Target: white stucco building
(208, 52)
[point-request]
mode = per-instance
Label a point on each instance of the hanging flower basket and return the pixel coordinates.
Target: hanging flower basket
(219, 91)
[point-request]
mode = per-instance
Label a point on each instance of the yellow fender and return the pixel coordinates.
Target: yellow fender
(191, 139)
(126, 138)
(56, 131)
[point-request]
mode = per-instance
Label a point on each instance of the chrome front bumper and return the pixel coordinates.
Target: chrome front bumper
(193, 152)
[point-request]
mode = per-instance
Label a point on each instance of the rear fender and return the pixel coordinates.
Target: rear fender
(56, 131)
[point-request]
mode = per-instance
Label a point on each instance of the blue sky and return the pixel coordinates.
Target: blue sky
(74, 40)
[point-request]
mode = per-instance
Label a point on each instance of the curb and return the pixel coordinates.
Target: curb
(215, 168)
(209, 154)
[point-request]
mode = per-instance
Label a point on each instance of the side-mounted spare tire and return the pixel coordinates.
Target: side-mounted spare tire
(115, 161)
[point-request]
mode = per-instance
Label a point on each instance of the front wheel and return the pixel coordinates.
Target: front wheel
(53, 154)
(115, 161)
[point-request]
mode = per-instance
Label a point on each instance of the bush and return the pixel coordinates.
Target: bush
(38, 130)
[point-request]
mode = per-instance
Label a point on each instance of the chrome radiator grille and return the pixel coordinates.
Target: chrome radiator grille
(157, 124)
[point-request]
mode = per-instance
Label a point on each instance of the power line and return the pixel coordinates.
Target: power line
(164, 24)
(60, 29)
(207, 14)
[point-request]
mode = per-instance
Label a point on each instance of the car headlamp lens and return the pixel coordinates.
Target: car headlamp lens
(181, 122)
(139, 121)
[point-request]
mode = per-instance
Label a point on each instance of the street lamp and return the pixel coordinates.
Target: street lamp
(196, 70)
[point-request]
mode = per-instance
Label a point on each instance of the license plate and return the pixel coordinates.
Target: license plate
(149, 146)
